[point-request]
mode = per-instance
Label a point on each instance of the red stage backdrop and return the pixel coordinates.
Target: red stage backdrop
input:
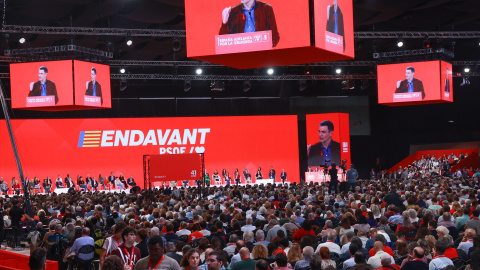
(83, 75)
(22, 75)
(431, 83)
(340, 137)
(92, 146)
(175, 167)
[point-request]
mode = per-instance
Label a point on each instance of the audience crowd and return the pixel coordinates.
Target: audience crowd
(406, 223)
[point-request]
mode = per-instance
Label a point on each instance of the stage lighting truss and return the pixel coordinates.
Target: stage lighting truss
(418, 52)
(58, 49)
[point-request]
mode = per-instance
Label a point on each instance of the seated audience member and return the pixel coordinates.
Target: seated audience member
(440, 261)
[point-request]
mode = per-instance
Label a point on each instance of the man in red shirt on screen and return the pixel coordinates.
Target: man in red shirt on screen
(410, 84)
(43, 87)
(249, 16)
(94, 89)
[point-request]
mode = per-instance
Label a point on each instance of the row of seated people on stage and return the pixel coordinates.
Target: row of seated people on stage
(226, 179)
(381, 224)
(47, 186)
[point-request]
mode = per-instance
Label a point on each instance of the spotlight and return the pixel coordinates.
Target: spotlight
(270, 71)
(129, 42)
(187, 85)
(467, 69)
(122, 70)
(123, 84)
(199, 71)
(177, 45)
(303, 85)
(400, 43)
(21, 40)
(247, 85)
(338, 70)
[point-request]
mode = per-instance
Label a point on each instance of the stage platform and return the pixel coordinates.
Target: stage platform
(65, 190)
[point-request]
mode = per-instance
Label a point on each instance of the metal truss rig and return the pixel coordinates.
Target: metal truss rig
(413, 53)
(181, 33)
(244, 77)
(117, 76)
(58, 49)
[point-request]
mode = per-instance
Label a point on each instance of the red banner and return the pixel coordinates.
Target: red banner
(55, 147)
(175, 167)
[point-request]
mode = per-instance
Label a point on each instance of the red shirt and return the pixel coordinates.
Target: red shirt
(129, 256)
(279, 250)
(394, 266)
(194, 235)
(450, 253)
(387, 249)
(301, 233)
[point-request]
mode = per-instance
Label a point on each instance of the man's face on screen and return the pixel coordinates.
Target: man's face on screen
(324, 134)
(335, 2)
(42, 76)
(247, 3)
(409, 75)
(94, 76)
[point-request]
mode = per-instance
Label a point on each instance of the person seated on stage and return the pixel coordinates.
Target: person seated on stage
(81, 183)
(59, 182)
(131, 181)
(3, 186)
(16, 186)
(248, 177)
(122, 179)
(94, 184)
(36, 183)
(119, 184)
(259, 174)
(236, 176)
(185, 183)
(216, 176)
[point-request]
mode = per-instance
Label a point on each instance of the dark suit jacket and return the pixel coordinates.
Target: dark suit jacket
(331, 23)
(417, 87)
(89, 91)
(283, 175)
(264, 20)
(415, 265)
(51, 90)
(315, 155)
(447, 85)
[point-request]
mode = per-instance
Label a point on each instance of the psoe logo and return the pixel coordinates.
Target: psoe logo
(166, 137)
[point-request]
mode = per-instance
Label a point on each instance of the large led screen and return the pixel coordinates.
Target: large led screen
(92, 146)
(334, 26)
(232, 26)
(328, 139)
(41, 84)
(415, 83)
(92, 84)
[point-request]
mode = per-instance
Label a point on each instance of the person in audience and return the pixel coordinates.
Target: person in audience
(190, 260)
(376, 261)
(440, 261)
(156, 259)
(416, 260)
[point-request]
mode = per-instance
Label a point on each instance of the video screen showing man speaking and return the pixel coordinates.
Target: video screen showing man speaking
(249, 16)
(326, 150)
(43, 87)
(410, 84)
